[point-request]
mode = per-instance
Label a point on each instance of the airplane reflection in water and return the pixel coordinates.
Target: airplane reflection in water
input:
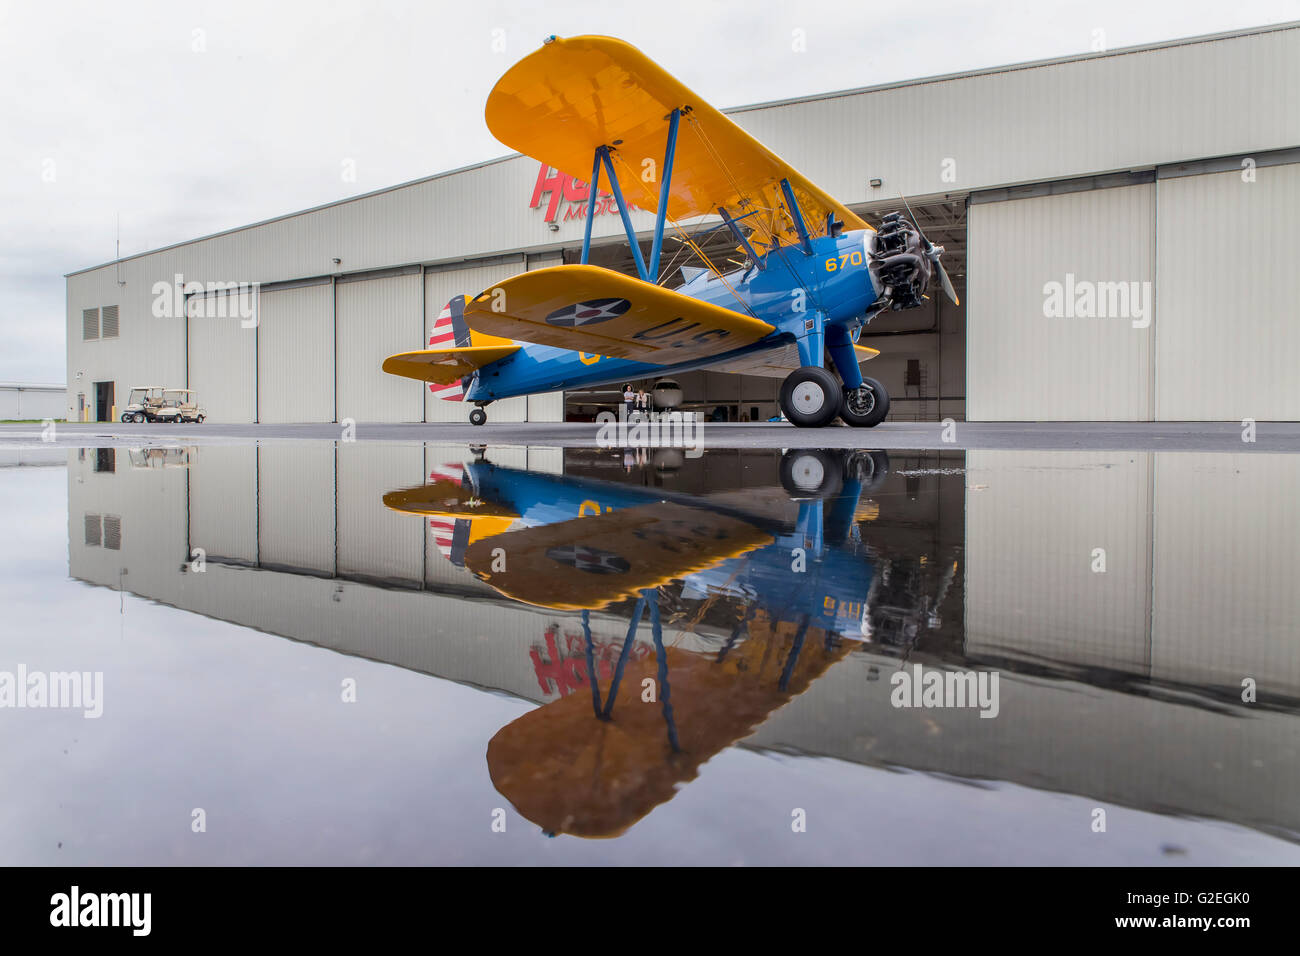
(1122, 687)
(792, 563)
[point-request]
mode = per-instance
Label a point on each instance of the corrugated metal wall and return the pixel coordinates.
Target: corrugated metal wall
(376, 318)
(295, 355)
(1227, 331)
(374, 540)
(223, 356)
(1199, 580)
(1022, 365)
(1021, 124)
(1224, 596)
(296, 506)
(223, 502)
(1032, 522)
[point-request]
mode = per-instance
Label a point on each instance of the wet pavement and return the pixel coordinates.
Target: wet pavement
(410, 652)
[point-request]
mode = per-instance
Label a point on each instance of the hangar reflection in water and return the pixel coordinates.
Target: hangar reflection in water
(665, 610)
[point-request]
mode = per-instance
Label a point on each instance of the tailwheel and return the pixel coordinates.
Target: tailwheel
(477, 416)
(866, 406)
(811, 397)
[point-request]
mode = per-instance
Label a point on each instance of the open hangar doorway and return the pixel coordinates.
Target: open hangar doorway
(717, 396)
(922, 361)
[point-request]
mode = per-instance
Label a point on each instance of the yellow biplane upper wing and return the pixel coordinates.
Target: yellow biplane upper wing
(574, 95)
(589, 309)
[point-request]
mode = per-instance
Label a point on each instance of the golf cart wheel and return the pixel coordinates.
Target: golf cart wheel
(811, 397)
(867, 406)
(198, 420)
(138, 418)
(477, 416)
(811, 473)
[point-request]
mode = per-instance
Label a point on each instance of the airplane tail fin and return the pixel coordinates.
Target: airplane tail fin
(450, 332)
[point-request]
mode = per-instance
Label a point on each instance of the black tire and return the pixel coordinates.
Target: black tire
(138, 418)
(199, 420)
(868, 467)
(126, 417)
(867, 406)
(811, 397)
(811, 473)
(477, 416)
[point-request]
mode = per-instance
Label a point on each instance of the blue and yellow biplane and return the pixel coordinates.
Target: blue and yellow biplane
(815, 273)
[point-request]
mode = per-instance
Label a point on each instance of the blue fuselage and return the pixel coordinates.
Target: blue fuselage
(815, 301)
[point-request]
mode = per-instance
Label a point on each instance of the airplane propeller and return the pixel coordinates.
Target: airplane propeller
(933, 252)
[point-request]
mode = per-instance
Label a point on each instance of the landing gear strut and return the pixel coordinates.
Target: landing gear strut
(811, 397)
(477, 416)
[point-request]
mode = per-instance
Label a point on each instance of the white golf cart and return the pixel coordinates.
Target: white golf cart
(144, 402)
(179, 405)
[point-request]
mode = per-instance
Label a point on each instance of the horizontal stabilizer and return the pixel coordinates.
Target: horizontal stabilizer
(445, 366)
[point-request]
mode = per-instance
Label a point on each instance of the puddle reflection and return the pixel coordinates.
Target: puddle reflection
(661, 612)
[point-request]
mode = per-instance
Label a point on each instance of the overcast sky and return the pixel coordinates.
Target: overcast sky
(188, 118)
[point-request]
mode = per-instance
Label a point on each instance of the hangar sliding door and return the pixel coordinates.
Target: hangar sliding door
(295, 354)
(1035, 587)
(378, 315)
(296, 506)
(1059, 315)
(222, 359)
(223, 503)
(439, 287)
(1227, 343)
(374, 540)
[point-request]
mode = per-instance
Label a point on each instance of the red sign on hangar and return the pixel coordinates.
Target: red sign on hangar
(563, 188)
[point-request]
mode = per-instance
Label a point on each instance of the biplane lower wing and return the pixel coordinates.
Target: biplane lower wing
(593, 561)
(589, 309)
(445, 366)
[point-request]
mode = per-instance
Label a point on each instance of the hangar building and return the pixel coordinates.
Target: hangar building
(1121, 227)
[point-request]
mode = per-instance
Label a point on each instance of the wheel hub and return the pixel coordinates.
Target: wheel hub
(808, 473)
(861, 400)
(808, 398)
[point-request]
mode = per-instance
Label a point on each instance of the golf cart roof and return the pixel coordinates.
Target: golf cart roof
(146, 388)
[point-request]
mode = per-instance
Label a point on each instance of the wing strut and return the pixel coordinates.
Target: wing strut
(667, 174)
(591, 206)
(603, 153)
(602, 157)
(735, 231)
(797, 216)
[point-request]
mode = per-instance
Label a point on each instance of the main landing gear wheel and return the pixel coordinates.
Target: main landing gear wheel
(867, 406)
(811, 473)
(870, 468)
(477, 416)
(811, 397)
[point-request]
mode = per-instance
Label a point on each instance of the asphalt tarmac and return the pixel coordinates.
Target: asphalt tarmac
(1224, 437)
